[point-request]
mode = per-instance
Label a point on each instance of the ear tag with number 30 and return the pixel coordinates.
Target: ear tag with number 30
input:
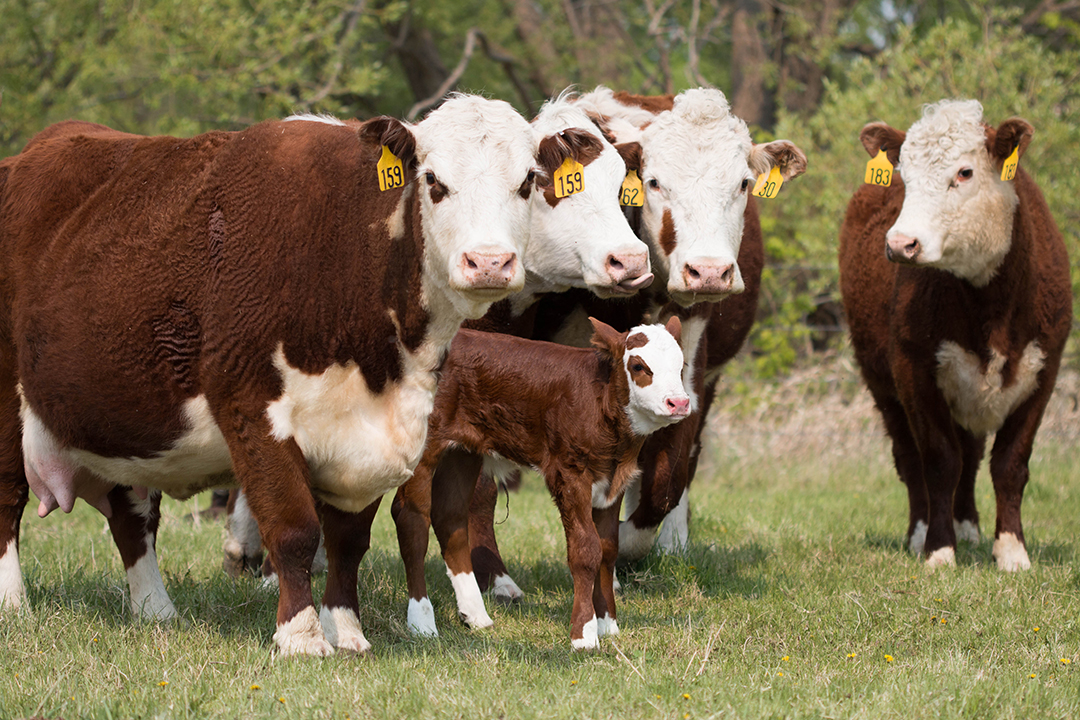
(569, 178)
(879, 170)
(632, 194)
(391, 172)
(1008, 170)
(768, 185)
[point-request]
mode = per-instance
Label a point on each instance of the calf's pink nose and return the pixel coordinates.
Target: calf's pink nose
(678, 406)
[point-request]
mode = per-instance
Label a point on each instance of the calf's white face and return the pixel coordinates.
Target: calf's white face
(583, 240)
(475, 162)
(653, 361)
(699, 165)
(958, 213)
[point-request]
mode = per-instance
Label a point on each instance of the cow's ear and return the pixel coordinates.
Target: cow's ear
(630, 152)
(606, 338)
(1013, 134)
(782, 154)
(392, 133)
(880, 136)
(576, 143)
(674, 326)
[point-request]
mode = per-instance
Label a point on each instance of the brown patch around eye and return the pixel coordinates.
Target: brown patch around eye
(636, 340)
(525, 190)
(667, 233)
(640, 372)
(438, 192)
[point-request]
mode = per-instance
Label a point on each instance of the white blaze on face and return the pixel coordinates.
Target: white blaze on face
(955, 205)
(584, 240)
(695, 166)
(473, 156)
(654, 361)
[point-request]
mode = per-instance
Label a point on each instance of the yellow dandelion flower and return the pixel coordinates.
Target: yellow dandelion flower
(163, 683)
(573, 682)
(254, 687)
(888, 658)
(943, 621)
(780, 674)
(1032, 676)
(686, 696)
(281, 700)
(1065, 661)
(851, 655)
(693, 567)
(1036, 628)
(785, 658)
(657, 697)
(938, 600)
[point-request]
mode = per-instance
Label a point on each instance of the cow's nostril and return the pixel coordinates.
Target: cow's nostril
(613, 262)
(692, 272)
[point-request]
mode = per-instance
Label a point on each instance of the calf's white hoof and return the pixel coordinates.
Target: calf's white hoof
(606, 626)
(421, 619)
(505, 590)
(1010, 553)
(589, 639)
(942, 557)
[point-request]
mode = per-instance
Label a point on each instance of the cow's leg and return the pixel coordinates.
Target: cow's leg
(274, 476)
(347, 538)
(909, 467)
(451, 494)
(134, 525)
(1009, 471)
(14, 493)
(487, 561)
(965, 511)
(940, 451)
(665, 464)
(606, 521)
(574, 499)
(675, 530)
(243, 544)
(411, 510)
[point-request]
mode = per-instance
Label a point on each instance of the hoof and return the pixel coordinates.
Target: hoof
(302, 635)
(942, 557)
(589, 639)
(421, 618)
(1010, 553)
(505, 590)
(342, 629)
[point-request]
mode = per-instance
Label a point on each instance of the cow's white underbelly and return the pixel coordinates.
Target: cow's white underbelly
(976, 397)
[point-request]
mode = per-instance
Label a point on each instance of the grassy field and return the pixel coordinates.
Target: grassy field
(795, 600)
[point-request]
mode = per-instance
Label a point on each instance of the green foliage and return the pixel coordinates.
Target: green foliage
(994, 62)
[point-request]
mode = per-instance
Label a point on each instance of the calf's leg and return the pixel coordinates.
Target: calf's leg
(411, 511)
(487, 561)
(606, 521)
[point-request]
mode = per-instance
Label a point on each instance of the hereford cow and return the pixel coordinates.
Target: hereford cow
(698, 164)
(249, 302)
(580, 240)
(956, 287)
(578, 416)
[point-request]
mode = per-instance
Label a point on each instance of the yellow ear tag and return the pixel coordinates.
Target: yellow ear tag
(1008, 170)
(768, 185)
(879, 170)
(569, 178)
(391, 173)
(632, 194)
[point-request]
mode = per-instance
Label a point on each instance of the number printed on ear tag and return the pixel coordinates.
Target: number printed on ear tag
(1008, 170)
(879, 170)
(768, 185)
(391, 172)
(569, 178)
(632, 194)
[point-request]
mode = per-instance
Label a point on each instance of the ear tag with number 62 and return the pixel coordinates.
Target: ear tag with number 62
(1008, 170)
(632, 194)
(391, 172)
(569, 178)
(879, 170)
(768, 185)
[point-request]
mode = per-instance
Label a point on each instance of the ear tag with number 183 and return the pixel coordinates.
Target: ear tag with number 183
(631, 194)
(391, 172)
(569, 178)
(1008, 170)
(879, 170)
(768, 185)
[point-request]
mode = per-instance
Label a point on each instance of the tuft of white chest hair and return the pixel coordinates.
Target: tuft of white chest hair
(977, 397)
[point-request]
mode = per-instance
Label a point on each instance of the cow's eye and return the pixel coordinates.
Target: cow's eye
(654, 184)
(745, 184)
(430, 178)
(965, 174)
(530, 177)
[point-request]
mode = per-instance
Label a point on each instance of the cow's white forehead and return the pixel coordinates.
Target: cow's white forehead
(480, 135)
(947, 130)
(661, 353)
(698, 138)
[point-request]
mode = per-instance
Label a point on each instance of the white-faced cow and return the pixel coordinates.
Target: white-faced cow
(579, 240)
(177, 308)
(956, 287)
(698, 164)
(577, 416)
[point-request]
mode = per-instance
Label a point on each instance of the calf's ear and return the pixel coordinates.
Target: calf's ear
(1014, 133)
(392, 133)
(880, 136)
(782, 154)
(674, 326)
(606, 338)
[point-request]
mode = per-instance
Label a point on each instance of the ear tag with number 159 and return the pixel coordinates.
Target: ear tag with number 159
(1008, 170)
(768, 185)
(391, 172)
(632, 194)
(879, 170)
(569, 178)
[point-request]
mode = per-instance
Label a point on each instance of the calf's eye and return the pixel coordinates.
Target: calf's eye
(430, 178)
(637, 367)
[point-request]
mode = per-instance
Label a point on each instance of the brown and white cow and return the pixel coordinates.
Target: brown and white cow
(177, 308)
(578, 416)
(956, 287)
(698, 163)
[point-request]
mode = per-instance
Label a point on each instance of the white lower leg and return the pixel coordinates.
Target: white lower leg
(148, 596)
(302, 635)
(12, 589)
(675, 530)
(1010, 553)
(421, 618)
(342, 629)
(470, 601)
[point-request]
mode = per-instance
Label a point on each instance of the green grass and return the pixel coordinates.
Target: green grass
(793, 595)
